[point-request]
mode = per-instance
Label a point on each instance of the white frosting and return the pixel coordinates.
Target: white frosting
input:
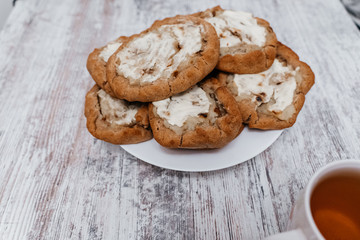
(156, 55)
(230, 25)
(177, 109)
(115, 110)
(278, 83)
(109, 50)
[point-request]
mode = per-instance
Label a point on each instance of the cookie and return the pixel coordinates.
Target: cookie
(272, 99)
(169, 57)
(205, 116)
(116, 121)
(97, 60)
(247, 43)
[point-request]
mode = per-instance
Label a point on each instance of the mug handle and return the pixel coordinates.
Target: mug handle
(296, 234)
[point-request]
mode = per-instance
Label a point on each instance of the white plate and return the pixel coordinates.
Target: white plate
(247, 145)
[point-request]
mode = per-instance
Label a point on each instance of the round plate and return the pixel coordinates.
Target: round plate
(247, 145)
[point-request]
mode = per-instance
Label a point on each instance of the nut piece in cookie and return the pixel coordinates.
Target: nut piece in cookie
(272, 99)
(247, 44)
(169, 57)
(97, 60)
(205, 116)
(116, 121)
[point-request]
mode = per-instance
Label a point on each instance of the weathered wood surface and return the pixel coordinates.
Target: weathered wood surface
(58, 182)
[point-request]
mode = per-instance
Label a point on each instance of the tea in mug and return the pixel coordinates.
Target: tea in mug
(335, 206)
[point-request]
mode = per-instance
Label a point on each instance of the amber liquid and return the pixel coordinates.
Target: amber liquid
(335, 206)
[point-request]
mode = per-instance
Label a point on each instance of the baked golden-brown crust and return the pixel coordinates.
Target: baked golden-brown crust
(260, 117)
(112, 133)
(197, 67)
(97, 67)
(227, 126)
(251, 58)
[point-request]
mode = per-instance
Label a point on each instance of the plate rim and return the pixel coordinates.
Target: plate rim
(277, 134)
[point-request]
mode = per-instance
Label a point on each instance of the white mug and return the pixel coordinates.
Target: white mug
(301, 224)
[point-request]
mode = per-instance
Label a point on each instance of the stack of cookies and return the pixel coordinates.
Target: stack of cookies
(195, 81)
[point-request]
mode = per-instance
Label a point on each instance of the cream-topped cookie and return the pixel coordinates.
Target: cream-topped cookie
(278, 83)
(97, 61)
(247, 43)
(206, 116)
(235, 28)
(273, 98)
(168, 58)
(114, 120)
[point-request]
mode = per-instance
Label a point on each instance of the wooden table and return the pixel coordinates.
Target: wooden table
(58, 182)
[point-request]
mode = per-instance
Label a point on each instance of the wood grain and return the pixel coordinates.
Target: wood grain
(58, 182)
